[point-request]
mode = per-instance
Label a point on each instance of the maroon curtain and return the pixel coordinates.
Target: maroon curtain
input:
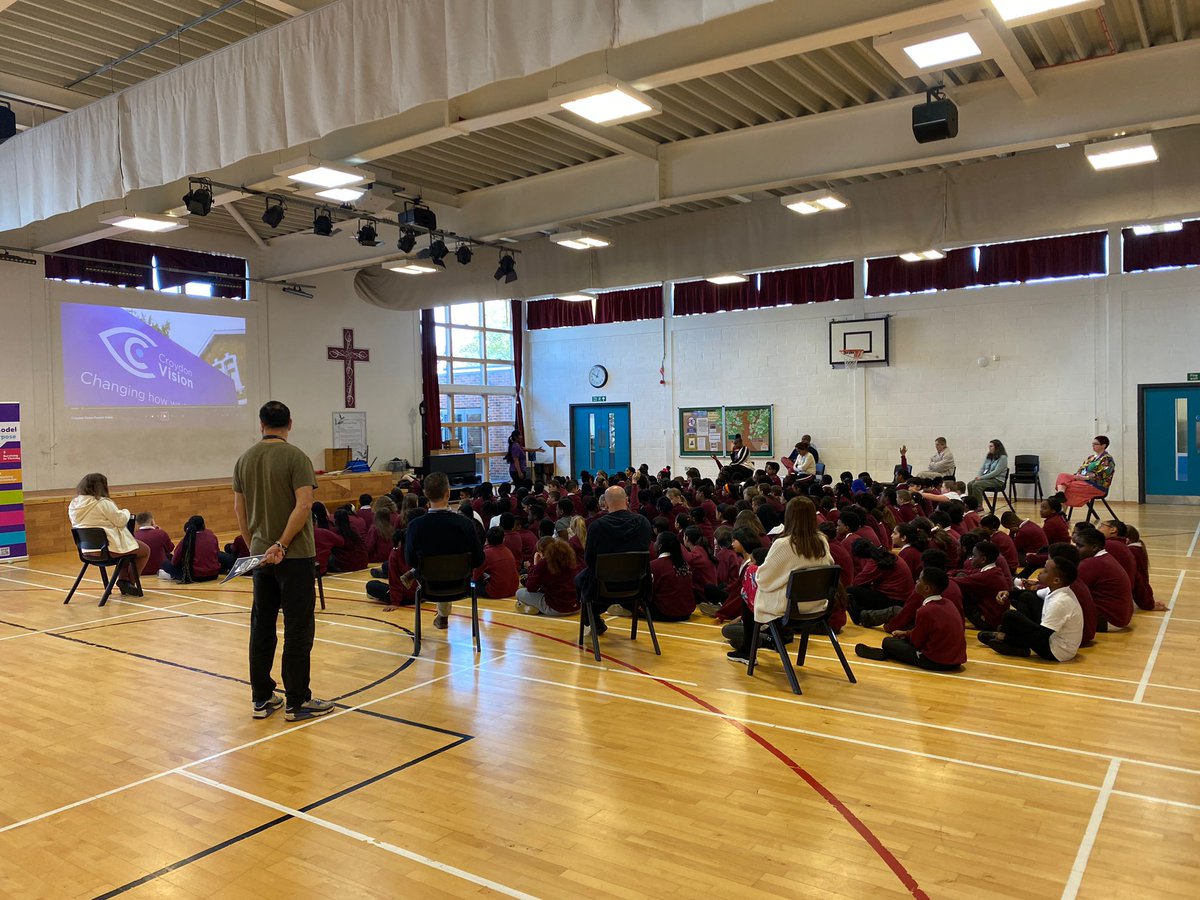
(630, 305)
(226, 274)
(430, 399)
(1158, 251)
(694, 297)
(555, 313)
(893, 275)
(1059, 257)
(518, 332)
(811, 284)
(122, 264)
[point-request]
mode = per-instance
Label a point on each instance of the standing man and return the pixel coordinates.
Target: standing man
(441, 532)
(618, 531)
(273, 486)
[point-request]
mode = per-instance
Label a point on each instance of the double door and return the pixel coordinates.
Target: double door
(1169, 419)
(600, 438)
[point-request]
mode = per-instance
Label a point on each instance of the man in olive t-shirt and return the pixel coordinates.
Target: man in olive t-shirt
(273, 486)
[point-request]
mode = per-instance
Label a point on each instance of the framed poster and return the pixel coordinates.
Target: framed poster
(700, 431)
(753, 423)
(350, 430)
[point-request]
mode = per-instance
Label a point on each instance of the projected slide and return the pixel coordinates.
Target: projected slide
(115, 356)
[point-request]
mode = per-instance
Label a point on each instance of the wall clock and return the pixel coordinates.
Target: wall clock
(598, 376)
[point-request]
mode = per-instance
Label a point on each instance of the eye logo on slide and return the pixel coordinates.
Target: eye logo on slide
(128, 355)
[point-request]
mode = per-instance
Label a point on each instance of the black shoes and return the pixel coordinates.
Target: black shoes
(868, 652)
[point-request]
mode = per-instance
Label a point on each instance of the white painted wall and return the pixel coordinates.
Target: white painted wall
(1071, 355)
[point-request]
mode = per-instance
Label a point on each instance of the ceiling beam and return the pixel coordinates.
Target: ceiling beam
(614, 138)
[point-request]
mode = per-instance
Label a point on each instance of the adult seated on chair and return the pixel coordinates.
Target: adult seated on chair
(441, 532)
(1092, 479)
(801, 462)
(993, 472)
(941, 463)
(92, 508)
(620, 531)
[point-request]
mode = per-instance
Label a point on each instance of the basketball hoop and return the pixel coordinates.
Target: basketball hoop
(850, 359)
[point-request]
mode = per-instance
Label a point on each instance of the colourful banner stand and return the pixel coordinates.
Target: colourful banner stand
(12, 493)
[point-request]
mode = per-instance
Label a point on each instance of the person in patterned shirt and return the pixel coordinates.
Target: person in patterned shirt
(1092, 479)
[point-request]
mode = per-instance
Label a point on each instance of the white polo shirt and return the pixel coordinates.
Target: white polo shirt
(1062, 614)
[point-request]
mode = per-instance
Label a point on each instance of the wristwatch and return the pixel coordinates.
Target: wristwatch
(280, 545)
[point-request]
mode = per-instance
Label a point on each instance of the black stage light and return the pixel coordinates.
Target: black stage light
(408, 240)
(463, 254)
(937, 118)
(366, 235)
(273, 214)
(199, 198)
(323, 221)
(507, 269)
(8, 121)
(438, 253)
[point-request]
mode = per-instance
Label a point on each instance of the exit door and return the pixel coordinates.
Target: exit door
(1169, 419)
(599, 438)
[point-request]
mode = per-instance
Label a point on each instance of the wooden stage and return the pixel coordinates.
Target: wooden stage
(173, 503)
(131, 764)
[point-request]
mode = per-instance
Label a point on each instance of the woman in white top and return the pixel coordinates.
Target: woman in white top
(801, 546)
(92, 508)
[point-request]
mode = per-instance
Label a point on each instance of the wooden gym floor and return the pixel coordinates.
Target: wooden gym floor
(131, 765)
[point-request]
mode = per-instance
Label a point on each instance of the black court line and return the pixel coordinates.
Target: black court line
(259, 829)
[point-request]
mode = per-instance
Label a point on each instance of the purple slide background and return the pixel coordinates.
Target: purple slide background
(93, 376)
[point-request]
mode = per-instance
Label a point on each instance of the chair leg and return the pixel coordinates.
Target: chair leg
(838, 649)
(475, 617)
(650, 628)
(592, 617)
(802, 652)
(1091, 511)
(71, 593)
(777, 636)
(753, 648)
(637, 603)
(109, 583)
(417, 623)
(1008, 499)
(1104, 500)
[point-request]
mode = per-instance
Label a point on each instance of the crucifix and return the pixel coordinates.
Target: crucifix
(349, 355)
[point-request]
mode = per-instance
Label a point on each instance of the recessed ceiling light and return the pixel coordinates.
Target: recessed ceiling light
(577, 296)
(943, 50)
(143, 222)
(1022, 12)
(1157, 228)
(579, 240)
(323, 174)
(340, 194)
(411, 267)
(727, 278)
(1131, 151)
(606, 101)
(920, 255)
(814, 202)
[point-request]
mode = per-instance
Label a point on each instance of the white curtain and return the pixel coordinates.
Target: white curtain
(349, 63)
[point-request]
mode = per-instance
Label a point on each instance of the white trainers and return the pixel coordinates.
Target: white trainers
(618, 610)
(264, 709)
(309, 709)
(164, 575)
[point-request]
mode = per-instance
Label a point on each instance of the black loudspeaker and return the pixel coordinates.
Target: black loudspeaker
(8, 121)
(936, 120)
(421, 216)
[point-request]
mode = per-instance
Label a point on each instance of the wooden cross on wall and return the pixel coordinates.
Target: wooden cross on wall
(349, 355)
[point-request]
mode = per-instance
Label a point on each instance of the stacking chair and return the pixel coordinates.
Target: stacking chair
(442, 579)
(804, 586)
(1026, 470)
(92, 546)
(1091, 509)
(620, 576)
(1002, 492)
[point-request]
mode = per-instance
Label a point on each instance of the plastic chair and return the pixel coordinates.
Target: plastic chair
(443, 579)
(1001, 491)
(804, 586)
(1091, 509)
(94, 541)
(1026, 470)
(619, 576)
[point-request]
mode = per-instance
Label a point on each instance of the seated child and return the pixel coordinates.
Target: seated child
(936, 641)
(160, 543)
(497, 576)
(401, 587)
(197, 556)
(980, 585)
(324, 538)
(1050, 623)
(550, 585)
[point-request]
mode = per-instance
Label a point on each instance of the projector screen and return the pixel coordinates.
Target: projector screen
(151, 358)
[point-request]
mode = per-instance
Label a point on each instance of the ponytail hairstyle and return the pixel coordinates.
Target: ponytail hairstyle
(913, 536)
(383, 510)
(864, 549)
(695, 537)
(320, 514)
(668, 543)
(191, 528)
(341, 524)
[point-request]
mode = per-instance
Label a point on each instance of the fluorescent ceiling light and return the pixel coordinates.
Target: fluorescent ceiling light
(943, 50)
(1157, 228)
(606, 101)
(577, 296)
(341, 194)
(143, 222)
(579, 240)
(411, 267)
(727, 278)
(814, 202)
(323, 174)
(1132, 151)
(1022, 12)
(921, 255)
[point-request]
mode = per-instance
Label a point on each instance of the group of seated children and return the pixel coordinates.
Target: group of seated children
(197, 557)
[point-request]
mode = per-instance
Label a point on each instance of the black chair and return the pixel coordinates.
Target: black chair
(443, 579)
(1091, 509)
(804, 586)
(92, 546)
(619, 576)
(991, 503)
(1026, 470)
(899, 471)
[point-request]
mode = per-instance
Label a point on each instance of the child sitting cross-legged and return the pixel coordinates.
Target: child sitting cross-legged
(497, 575)
(197, 557)
(160, 543)
(1048, 623)
(936, 641)
(550, 585)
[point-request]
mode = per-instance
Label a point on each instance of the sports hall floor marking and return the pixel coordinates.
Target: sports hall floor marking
(1158, 640)
(1089, 835)
(31, 633)
(1195, 537)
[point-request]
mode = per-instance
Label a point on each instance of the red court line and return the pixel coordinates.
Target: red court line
(832, 799)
